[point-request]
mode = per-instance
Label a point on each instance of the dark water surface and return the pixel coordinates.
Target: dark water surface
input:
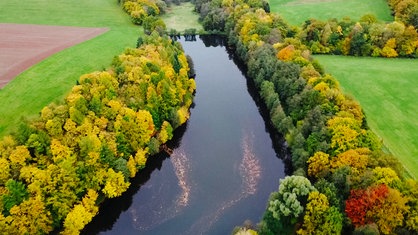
(223, 167)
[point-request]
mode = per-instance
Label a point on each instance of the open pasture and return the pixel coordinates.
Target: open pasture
(387, 91)
(298, 11)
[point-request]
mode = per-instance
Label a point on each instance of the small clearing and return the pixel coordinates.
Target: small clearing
(181, 17)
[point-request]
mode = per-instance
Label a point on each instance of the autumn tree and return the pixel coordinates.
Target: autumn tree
(345, 133)
(319, 217)
(380, 204)
(31, 217)
(81, 214)
(115, 184)
(357, 159)
(318, 165)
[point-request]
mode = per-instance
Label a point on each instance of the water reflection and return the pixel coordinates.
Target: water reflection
(213, 40)
(166, 200)
(250, 171)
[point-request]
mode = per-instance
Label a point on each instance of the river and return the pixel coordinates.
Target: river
(223, 166)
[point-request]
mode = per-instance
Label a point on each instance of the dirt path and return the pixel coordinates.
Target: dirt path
(22, 46)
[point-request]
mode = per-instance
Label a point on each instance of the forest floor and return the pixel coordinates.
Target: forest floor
(23, 45)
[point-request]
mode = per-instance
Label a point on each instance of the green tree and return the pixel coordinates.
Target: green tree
(16, 194)
(286, 206)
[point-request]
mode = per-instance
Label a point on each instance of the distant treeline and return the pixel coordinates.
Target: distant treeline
(342, 179)
(364, 38)
(368, 36)
(56, 169)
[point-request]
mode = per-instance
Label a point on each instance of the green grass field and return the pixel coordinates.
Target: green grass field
(182, 17)
(387, 91)
(297, 11)
(52, 78)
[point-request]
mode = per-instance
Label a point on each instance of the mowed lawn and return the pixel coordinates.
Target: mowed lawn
(387, 91)
(181, 17)
(49, 80)
(298, 11)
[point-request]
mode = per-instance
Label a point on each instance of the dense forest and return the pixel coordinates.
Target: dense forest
(57, 169)
(342, 180)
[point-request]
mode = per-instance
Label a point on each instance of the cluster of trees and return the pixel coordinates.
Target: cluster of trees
(342, 179)
(405, 11)
(213, 15)
(139, 10)
(364, 38)
(55, 170)
(145, 13)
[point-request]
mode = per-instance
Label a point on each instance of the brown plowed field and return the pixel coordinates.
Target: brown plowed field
(22, 46)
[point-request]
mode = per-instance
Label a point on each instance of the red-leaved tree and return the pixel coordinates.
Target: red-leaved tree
(386, 207)
(362, 201)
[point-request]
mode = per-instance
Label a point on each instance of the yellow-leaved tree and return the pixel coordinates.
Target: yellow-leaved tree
(81, 214)
(318, 165)
(115, 184)
(319, 217)
(30, 217)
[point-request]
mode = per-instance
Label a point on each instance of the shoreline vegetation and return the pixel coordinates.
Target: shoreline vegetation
(87, 147)
(342, 177)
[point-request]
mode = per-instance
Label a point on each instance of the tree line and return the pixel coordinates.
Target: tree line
(56, 169)
(342, 179)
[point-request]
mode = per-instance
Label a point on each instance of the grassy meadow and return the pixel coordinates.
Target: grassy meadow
(181, 17)
(297, 11)
(387, 91)
(52, 78)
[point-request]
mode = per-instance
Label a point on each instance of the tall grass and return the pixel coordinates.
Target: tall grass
(297, 11)
(387, 91)
(52, 78)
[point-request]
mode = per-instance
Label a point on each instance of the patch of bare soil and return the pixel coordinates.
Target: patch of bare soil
(22, 46)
